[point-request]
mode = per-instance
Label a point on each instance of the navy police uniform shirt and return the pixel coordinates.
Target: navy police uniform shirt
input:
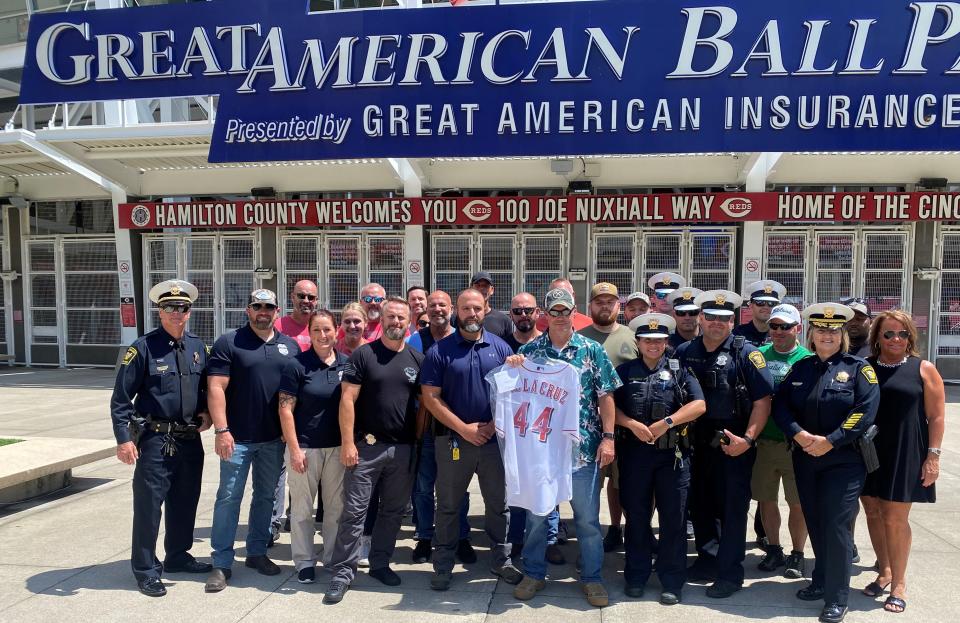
(675, 340)
(254, 368)
(316, 386)
(149, 381)
(458, 367)
(836, 398)
(754, 335)
(643, 388)
(717, 373)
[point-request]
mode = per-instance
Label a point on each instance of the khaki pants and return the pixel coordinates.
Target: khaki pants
(323, 467)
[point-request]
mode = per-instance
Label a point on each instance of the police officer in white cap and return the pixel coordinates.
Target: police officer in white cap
(686, 313)
(737, 387)
(763, 296)
(662, 285)
(159, 409)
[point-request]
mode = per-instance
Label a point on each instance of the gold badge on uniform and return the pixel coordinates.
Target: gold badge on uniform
(370, 439)
(870, 374)
(129, 355)
(756, 358)
(843, 376)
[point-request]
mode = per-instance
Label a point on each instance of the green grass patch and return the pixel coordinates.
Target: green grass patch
(7, 442)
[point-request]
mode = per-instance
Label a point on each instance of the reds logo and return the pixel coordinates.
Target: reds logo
(140, 216)
(478, 210)
(736, 207)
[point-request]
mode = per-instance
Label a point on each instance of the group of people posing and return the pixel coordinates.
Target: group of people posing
(679, 410)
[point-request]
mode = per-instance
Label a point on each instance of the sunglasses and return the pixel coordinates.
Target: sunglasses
(764, 303)
(716, 317)
(903, 335)
(175, 309)
(373, 299)
(260, 306)
(423, 324)
(523, 311)
(560, 313)
(661, 295)
(776, 326)
(306, 297)
(691, 313)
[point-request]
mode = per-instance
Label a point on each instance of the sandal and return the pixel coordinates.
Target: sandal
(873, 589)
(894, 602)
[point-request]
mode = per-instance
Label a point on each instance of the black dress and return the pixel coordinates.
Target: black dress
(903, 438)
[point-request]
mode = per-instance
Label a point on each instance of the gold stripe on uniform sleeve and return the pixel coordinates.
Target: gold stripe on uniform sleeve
(852, 421)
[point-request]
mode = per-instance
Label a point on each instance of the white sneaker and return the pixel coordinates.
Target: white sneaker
(364, 552)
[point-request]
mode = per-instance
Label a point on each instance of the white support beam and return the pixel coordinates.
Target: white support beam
(410, 174)
(62, 158)
(756, 169)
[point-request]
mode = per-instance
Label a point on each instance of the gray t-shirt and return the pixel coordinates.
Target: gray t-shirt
(620, 344)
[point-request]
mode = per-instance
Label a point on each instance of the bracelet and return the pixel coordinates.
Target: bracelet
(934, 451)
(225, 429)
(609, 436)
(750, 440)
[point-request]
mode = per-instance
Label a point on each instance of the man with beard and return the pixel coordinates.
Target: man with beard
(637, 304)
(378, 427)
(494, 321)
(686, 313)
(244, 372)
(455, 391)
(439, 307)
(620, 345)
(524, 314)
(858, 329)
(764, 295)
(417, 300)
(303, 299)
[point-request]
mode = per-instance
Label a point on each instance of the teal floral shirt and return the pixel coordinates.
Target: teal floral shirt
(597, 378)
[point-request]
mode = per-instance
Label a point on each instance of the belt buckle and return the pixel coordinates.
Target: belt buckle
(370, 439)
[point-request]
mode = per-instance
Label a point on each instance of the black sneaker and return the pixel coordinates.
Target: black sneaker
(614, 539)
(795, 566)
(811, 593)
(423, 551)
(386, 575)
(465, 552)
(773, 559)
(335, 593)
(856, 555)
(555, 555)
(307, 575)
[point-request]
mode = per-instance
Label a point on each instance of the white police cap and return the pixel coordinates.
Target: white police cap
(173, 291)
(719, 302)
(684, 299)
(653, 325)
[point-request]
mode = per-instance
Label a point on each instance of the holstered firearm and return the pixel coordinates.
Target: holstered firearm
(867, 449)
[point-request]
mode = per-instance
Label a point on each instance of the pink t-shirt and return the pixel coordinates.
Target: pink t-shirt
(290, 327)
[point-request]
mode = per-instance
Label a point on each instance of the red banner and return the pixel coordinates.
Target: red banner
(650, 209)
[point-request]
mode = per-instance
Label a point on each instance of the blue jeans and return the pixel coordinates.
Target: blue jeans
(586, 518)
(518, 525)
(423, 494)
(266, 459)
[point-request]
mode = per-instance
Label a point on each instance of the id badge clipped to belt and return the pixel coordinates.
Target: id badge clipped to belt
(454, 449)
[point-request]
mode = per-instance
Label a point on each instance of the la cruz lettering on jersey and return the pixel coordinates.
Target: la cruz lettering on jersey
(654, 208)
(604, 77)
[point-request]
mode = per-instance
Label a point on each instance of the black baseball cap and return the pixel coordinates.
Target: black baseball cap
(481, 276)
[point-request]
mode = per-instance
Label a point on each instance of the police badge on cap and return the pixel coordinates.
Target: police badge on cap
(718, 302)
(173, 291)
(684, 299)
(827, 314)
(653, 325)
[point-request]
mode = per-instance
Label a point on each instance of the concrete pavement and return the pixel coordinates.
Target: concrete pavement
(65, 557)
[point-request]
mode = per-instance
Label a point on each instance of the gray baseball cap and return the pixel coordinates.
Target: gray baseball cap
(558, 296)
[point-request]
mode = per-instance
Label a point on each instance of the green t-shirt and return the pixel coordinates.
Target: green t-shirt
(620, 344)
(779, 365)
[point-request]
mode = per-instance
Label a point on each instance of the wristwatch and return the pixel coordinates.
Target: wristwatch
(936, 451)
(750, 440)
(225, 429)
(668, 421)
(609, 436)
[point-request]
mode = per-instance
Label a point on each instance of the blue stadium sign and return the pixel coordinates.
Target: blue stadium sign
(603, 77)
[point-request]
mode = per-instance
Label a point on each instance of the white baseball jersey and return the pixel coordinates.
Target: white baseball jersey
(536, 413)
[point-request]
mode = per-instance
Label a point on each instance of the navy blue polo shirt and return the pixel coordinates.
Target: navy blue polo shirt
(316, 386)
(254, 368)
(458, 367)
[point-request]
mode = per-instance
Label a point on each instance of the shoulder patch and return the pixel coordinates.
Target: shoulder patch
(869, 373)
(207, 348)
(756, 358)
(129, 356)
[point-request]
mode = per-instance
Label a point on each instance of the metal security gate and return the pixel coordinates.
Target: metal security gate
(72, 295)
(220, 266)
(946, 304)
(628, 258)
(517, 262)
(6, 348)
(818, 264)
(341, 264)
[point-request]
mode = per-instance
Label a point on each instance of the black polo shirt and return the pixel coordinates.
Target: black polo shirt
(389, 384)
(254, 368)
(316, 386)
(752, 334)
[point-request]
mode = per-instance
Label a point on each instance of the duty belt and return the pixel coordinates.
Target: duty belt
(166, 427)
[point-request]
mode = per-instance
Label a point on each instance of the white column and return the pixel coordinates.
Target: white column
(759, 166)
(124, 266)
